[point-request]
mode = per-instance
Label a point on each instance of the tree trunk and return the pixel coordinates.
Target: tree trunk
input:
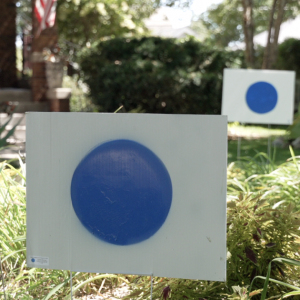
(270, 54)
(8, 71)
(268, 45)
(248, 26)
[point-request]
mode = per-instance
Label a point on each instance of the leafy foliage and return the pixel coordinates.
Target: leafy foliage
(260, 233)
(294, 129)
(288, 59)
(263, 226)
(24, 15)
(260, 175)
(288, 56)
(267, 279)
(83, 22)
(79, 101)
(157, 75)
(224, 21)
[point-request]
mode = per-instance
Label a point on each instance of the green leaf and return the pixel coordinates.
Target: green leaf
(2, 127)
(9, 133)
(291, 294)
(279, 282)
(267, 278)
(288, 261)
(13, 253)
(88, 281)
(55, 289)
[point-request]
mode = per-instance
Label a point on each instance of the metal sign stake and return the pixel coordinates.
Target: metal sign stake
(239, 145)
(151, 286)
(269, 143)
(71, 285)
(2, 276)
(239, 148)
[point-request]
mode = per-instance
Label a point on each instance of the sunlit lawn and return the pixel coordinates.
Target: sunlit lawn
(254, 139)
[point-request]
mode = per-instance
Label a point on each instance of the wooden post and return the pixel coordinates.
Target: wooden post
(47, 39)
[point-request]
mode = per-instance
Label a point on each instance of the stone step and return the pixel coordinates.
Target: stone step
(13, 152)
(15, 95)
(19, 135)
(15, 118)
(17, 140)
(32, 106)
(22, 98)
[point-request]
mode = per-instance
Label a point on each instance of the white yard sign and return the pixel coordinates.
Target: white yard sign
(127, 193)
(258, 96)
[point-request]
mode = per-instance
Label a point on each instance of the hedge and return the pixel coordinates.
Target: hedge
(156, 75)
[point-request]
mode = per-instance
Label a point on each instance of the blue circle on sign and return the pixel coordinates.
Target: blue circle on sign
(121, 192)
(261, 97)
(33, 260)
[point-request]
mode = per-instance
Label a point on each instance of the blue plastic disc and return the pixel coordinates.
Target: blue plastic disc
(261, 97)
(121, 192)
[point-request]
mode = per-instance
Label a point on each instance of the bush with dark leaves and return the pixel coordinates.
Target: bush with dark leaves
(156, 75)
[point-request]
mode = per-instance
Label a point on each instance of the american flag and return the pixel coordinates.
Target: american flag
(45, 11)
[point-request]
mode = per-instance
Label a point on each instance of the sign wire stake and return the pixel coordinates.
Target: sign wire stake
(151, 286)
(269, 143)
(239, 147)
(2, 276)
(71, 285)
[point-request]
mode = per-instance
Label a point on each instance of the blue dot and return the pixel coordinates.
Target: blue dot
(33, 260)
(121, 192)
(261, 97)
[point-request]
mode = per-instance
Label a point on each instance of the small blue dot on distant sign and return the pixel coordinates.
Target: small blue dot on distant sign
(121, 192)
(33, 260)
(261, 97)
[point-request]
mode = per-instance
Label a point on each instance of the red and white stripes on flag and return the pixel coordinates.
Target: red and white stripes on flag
(45, 11)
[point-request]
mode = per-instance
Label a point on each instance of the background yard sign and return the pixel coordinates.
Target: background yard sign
(258, 96)
(127, 193)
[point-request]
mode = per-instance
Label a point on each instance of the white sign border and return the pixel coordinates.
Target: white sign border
(235, 85)
(192, 242)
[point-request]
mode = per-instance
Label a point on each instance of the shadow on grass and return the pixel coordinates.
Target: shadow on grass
(249, 148)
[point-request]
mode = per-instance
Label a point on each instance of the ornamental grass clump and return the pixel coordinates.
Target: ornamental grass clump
(263, 220)
(258, 232)
(20, 281)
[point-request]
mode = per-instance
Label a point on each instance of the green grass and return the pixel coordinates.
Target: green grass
(255, 131)
(254, 139)
(249, 148)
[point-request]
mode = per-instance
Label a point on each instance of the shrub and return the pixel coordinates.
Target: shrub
(288, 56)
(257, 232)
(262, 224)
(156, 75)
(263, 219)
